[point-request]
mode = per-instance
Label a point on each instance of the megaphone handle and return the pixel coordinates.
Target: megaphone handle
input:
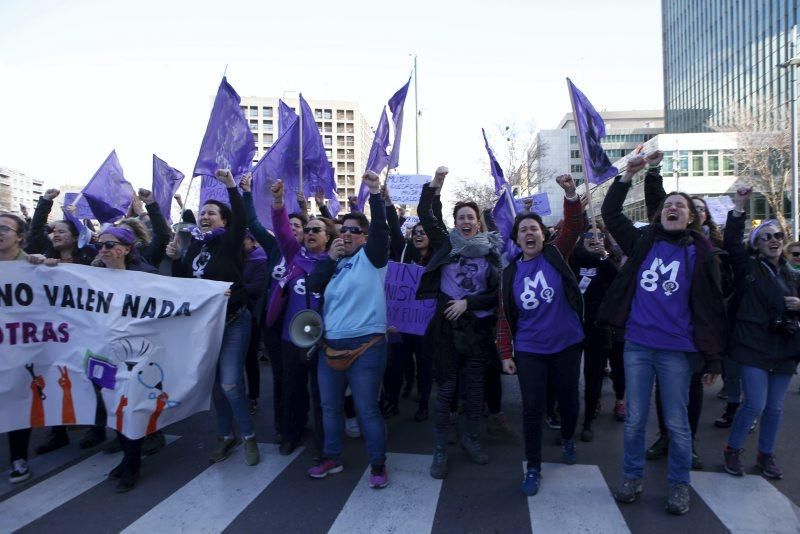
(309, 354)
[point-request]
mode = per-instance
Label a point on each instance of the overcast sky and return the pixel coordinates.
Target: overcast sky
(80, 78)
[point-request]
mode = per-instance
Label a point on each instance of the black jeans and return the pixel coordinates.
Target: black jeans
(493, 386)
(474, 364)
(599, 348)
(297, 370)
(132, 453)
(251, 367)
(533, 371)
(272, 342)
(18, 441)
(424, 368)
(694, 408)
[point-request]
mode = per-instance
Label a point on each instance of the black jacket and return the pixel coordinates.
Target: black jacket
(605, 272)
(39, 243)
(758, 302)
(706, 300)
(225, 261)
(429, 285)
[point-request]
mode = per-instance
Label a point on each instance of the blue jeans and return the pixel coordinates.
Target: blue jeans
(763, 396)
(673, 369)
(364, 376)
(230, 401)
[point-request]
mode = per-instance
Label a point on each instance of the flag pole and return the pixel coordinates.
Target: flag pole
(300, 162)
(416, 113)
(583, 158)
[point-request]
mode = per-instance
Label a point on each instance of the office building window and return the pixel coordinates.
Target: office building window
(318, 114)
(575, 168)
(327, 114)
(266, 111)
(253, 111)
(328, 140)
(268, 138)
(349, 114)
(575, 154)
(267, 126)
(339, 127)
(329, 153)
(340, 114)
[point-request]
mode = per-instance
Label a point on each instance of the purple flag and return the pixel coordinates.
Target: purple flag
(378, 158)
(82, 209)
(504, 214)
(497, 171)
(286, 116)
(317, 171)
(396, 104)
(108, 193)
(590, 129)
(227, 144)
(280, 162)
(84, 235)
(166, 181)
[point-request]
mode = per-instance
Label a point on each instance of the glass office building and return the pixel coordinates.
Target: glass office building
(720, 54)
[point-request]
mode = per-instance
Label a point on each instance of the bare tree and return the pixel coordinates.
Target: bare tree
(483, 194)
(520, 153)
(764, 152)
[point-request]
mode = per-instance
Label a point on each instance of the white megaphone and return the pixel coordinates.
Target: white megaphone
(306, 328)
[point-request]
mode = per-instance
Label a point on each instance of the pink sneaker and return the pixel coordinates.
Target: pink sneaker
(325, 468)
(378, 478)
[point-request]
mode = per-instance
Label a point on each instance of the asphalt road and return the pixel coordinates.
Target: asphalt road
(178, 490)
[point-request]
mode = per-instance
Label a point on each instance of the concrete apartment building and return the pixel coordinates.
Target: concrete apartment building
(346, 134)
(624, 130)
(18, 188)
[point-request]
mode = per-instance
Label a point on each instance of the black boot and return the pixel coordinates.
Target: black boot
(439, 463)
(94, 436)
(58, 438)
(726, 419)
(470, 443)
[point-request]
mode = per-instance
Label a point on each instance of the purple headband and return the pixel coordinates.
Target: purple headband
(125, 237)
(757, 230)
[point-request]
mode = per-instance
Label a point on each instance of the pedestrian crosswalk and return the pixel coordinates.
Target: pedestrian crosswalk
(573, 498)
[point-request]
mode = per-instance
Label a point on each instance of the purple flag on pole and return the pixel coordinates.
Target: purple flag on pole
(317, 170)
(82, 209)
(84, 235)
(286, 116)
(497, 171)
(108, 193)
(378, 158)
(280, 162)
(396, 104)
(227, 144)
(166, 181)
(590, 129)
(504, 214)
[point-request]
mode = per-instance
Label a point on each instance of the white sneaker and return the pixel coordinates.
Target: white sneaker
(19, 472)
(351, 428)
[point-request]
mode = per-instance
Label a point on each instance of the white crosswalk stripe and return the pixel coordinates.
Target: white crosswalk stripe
(407, 505)
(574, 498)
(213, 499)
(747, 504)
(38, 500)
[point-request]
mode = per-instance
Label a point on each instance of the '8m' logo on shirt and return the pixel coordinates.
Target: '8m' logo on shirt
(651, 276)
(529, 287)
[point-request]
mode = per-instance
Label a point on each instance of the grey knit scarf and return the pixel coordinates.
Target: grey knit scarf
(481, 244)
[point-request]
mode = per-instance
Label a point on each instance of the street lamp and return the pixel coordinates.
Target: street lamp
(792, 65)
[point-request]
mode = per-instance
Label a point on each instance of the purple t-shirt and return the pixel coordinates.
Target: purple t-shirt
(546, 322)
(296, 302)
(660, 317)
(467, 276)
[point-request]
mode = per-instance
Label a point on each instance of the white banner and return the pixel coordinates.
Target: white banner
(72, 336)
(406, 188)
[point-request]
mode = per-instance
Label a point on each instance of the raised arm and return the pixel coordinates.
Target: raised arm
(154, 252)
(287, 242)
(263, 237)
(377, 247)
(620, 226)
(573, 217)
(234, 232)
(396, 239)
(38, 241)
(738, 258)
(434, 225)
(654, 193)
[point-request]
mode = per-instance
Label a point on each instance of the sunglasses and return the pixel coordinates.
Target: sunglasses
(418, 232)
(108, 245)
(313, 230)
(767, 236)
(796, 254)
(351, 230)
(6, 229)
(591, 235)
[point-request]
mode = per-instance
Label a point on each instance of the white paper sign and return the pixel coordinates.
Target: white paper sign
(73, 336)
(410, 222)
(718, 208)
(406, 188)
(541, 204)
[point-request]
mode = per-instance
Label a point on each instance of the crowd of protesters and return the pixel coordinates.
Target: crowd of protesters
(673, 303)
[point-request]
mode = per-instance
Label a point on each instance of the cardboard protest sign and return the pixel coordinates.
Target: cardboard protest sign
(403, 311)
(406, 188)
